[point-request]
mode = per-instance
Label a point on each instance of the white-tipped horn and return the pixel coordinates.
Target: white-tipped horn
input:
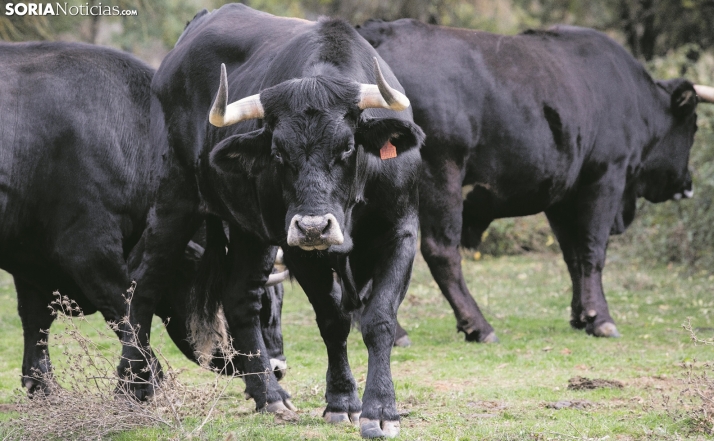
(224, 114)
(705, 93)
(381, 95)
(276, 278)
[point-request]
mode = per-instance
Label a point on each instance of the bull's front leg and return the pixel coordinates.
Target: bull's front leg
(583, 229)
(316, 279)
(32, 302)
(170, 224)
(392, 272)
(250, 264)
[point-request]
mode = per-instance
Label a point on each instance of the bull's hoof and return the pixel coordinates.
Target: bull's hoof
(606, 330)
(280, 368)
(576, 323)
(284, 406)
(36, 387)
(403, 342)
(490, 338)
(476, 337)
(342, 418)
(378, 429)
(137, 392)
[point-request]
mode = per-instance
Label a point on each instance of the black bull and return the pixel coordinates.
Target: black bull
(562, 121)
(75, 183)
(299, 166)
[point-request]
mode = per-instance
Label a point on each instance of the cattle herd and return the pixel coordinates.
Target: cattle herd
(336, 144)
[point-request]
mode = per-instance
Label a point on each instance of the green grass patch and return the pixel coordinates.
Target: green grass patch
(448, 389)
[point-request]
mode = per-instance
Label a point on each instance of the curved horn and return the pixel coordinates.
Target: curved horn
(381, 95)
(223, 114)
(705, 93)
(276, 278)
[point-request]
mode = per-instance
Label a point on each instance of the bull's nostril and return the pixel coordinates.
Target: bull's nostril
(327, 227)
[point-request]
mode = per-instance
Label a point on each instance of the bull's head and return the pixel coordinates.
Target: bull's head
(665, 173)
(318, 140)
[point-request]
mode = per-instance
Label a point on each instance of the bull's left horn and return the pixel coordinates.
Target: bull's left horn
(223, 114)
(705, 93)
(381, 95)
(276, 278)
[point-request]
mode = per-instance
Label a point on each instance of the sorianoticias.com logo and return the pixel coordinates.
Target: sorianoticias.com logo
(64, 9)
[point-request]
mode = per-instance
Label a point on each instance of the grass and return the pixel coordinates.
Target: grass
(450, 390)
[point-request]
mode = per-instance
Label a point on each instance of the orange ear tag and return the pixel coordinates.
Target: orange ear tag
(388, 151)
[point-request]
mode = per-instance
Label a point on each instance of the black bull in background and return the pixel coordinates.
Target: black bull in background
(562, 121)
(313, 157)
(75, 182)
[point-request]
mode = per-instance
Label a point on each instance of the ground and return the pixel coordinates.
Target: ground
(448, 389)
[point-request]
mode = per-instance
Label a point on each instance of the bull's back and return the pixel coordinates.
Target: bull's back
(514, 110)
(244, 39)
(73, 140)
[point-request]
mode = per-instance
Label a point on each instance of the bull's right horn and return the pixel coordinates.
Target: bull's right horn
(223, 114)
(705, 93)
(381, 95)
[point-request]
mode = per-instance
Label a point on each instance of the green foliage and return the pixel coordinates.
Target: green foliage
(160, 21)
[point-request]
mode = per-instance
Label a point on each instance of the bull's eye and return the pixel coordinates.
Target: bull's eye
(278, 157)
(348, 150)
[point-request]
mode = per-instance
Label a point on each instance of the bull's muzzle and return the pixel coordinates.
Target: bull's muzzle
(314, 232)
(686, 194)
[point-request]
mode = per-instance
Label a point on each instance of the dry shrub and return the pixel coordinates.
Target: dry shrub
(84, 403)
(519, 235)
(695, 403)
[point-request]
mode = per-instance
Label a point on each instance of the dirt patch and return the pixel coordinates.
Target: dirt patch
(582, 383)
(6, 408)
(657, 384)
(285, 416)
(570, 404)
(487, 405)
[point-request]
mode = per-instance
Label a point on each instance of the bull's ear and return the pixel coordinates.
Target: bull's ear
(684, 100)
(373, 134)
(242, 154)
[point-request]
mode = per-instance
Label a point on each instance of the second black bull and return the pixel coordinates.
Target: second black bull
(562, 121)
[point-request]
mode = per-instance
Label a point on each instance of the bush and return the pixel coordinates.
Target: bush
(694, 406)
(84, 402)
(518, 235)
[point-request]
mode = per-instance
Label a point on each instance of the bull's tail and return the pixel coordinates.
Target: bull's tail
(207, 329)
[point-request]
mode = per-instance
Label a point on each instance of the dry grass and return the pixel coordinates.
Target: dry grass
(89, 400)
(695, 402)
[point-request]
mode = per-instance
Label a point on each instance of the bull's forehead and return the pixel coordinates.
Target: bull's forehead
(325, 94)
(313, 130)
